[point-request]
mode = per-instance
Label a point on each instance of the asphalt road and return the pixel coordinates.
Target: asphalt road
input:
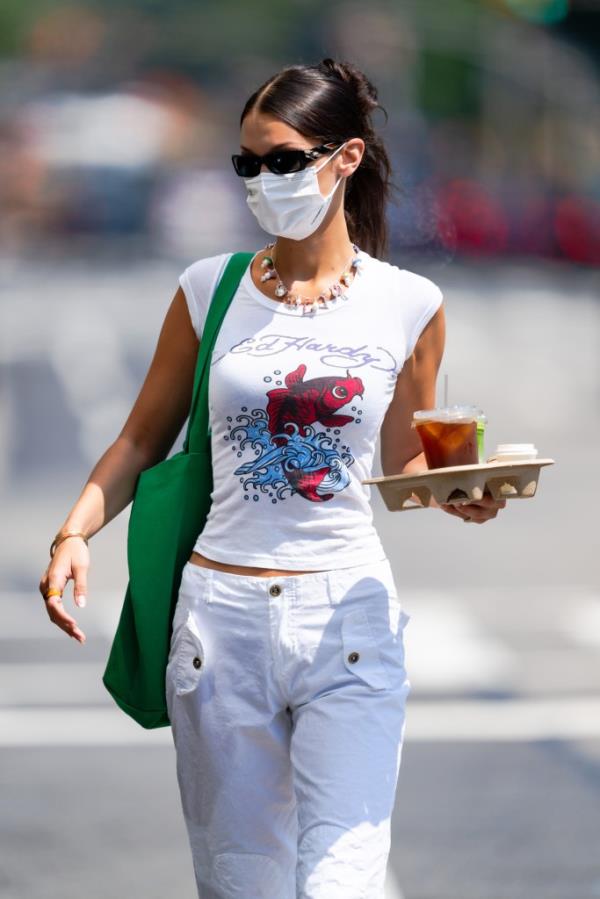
(499, 791)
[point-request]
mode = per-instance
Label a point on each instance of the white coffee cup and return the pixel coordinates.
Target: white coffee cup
(513, 452)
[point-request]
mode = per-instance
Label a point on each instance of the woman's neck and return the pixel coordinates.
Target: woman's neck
(319, 257)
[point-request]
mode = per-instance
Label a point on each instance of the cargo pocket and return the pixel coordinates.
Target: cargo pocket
(188, 657)
(361, 654)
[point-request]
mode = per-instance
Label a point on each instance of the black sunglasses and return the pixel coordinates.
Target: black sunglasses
(280, 162)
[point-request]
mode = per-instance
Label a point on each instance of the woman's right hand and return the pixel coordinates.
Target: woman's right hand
(71, 561)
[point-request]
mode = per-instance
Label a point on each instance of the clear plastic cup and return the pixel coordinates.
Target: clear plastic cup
(449, 435)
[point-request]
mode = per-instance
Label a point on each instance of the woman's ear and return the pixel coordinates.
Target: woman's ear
(351, 156)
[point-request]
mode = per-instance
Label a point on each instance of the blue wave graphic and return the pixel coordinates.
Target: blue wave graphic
(305, 451)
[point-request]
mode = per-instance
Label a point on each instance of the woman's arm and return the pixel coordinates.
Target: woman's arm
(148, 434)
(401, 451)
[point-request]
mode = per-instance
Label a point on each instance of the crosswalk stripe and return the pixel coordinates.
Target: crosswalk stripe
(574, 717)
(51, 684)
(78, 726)
(448, 649)
(564, 718)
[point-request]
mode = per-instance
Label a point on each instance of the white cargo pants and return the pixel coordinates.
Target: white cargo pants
(286, 696)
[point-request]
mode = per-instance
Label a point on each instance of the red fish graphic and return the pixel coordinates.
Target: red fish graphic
(305, 402)
(306, 484)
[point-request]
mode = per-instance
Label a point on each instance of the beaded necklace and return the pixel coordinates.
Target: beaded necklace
(326, 298)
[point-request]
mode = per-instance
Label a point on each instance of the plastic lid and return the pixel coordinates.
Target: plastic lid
(516, 448)
(450, 413)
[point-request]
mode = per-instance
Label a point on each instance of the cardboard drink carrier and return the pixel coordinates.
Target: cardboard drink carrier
(455, 432)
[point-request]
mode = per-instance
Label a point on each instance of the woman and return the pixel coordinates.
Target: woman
(286, 683)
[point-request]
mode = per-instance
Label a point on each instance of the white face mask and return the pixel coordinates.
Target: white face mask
(290, 205)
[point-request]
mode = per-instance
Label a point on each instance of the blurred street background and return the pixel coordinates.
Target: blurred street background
(117, 122)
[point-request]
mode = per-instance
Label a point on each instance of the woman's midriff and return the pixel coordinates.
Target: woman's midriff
(199, 559)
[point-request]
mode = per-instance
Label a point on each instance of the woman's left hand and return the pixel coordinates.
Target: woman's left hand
(478, 512)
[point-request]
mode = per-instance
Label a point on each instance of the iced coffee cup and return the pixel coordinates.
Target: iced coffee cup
(449, 435)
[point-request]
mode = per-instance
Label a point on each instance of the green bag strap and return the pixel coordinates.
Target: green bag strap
(198, 435)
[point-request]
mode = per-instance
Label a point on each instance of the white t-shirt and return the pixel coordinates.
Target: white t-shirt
(296, 402)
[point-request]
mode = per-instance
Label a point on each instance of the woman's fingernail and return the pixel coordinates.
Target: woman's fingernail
(81, 600)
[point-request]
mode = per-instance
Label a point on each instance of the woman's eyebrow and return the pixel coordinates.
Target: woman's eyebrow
(283, 146)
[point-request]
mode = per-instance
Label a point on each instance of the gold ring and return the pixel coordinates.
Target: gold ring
(53, 591)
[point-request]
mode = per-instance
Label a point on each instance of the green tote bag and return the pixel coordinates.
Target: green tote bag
(170, 504)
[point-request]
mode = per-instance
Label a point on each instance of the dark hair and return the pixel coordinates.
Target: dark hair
(333, 102)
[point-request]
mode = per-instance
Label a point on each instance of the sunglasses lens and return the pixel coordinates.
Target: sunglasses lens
(245, 165)
(286, 161)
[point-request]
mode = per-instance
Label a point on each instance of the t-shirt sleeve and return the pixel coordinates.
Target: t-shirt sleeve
(198, 282)
(426, 299)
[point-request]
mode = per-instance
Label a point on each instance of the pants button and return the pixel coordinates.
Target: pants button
(275, 590)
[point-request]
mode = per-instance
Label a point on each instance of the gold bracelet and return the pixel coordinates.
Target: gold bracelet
(63, 536)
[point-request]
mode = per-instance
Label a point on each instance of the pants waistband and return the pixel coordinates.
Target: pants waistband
(332, 581)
